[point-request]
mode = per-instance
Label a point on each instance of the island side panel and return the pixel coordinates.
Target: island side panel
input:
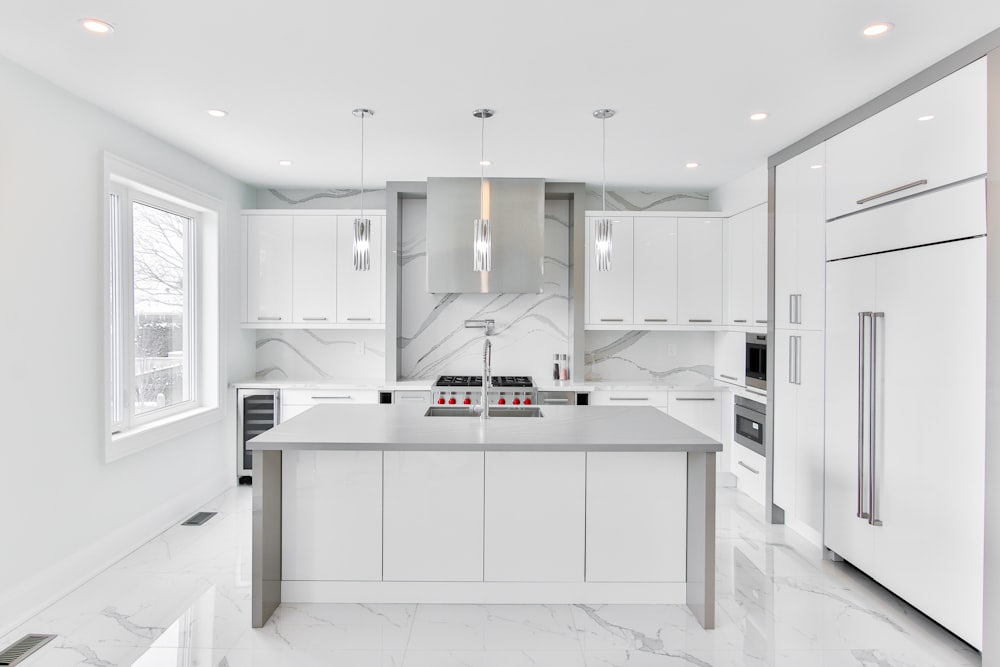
(266, 554)
(701, 537)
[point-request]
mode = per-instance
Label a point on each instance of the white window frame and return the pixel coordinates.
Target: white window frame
(133, 433)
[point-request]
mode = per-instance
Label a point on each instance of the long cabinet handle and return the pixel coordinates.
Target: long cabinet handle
(359, 319)
(753, 470)
(679, 398)
(865, 200)
(314, 319)
(655, 319)
(268, 318)
(798, 360)
(791, 360)
(740, 321)
(700, 321)
(791, 309)
(872, 422)
(862, 316)
(556, 400)
(612, 319)
(331, 398)
(628, 398)
(761, 321)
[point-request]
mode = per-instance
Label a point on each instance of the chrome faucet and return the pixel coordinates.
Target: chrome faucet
(487, 327)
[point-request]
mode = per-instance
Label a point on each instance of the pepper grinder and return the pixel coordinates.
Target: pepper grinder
(556, 374)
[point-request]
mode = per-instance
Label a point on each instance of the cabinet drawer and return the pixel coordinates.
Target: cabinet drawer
(414, 397)
(750, 470)
(894, 153)
(701, 410)
(653, 398)
(319, 396)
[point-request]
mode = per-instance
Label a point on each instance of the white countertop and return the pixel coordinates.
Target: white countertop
(561, 429)
(542, 385)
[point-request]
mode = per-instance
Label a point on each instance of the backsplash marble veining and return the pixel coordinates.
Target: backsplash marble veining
(671, 357)
(646, 200)
(320, 354)
(530, 328)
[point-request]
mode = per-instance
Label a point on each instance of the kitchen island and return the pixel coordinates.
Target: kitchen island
(582, 504)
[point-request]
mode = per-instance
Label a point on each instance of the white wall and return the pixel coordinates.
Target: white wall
(72, 513)
(741, 193)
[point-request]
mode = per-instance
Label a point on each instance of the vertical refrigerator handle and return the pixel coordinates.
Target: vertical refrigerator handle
(791, 309)
(798, 360)
(862, 316)
(791, 360)
(872, 379)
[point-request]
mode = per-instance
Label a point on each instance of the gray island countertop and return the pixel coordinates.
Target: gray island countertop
(560, 429)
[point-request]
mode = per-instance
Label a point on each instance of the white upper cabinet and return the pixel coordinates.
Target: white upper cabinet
(931, 138)
(359, 293)
(314, 295)
(799, 241)
(609, 293)
(655, 270)
(739, 242)
(759, 255)
(269, 269)
(699, 271)
(300, 272)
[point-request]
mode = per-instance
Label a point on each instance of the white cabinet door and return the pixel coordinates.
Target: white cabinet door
(314, 282)
(636, 516)
(269, 268)
(750, 469)
(655, 270)
(759, 256)
(331, 516)
(894, 153)
(808, 429)
(699, 271)
(739, 241)
(731, 357)
(784, 411)
(433, 516)
(930, 458)
(850, 291)
(534, 516)
(609, 293)
(701, 410)
(359, 293)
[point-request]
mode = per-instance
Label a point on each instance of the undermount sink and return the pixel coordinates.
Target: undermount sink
(529, 411)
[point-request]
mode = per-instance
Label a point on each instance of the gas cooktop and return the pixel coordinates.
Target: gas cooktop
(522, 381)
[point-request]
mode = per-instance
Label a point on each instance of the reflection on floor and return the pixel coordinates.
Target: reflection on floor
(183, 599)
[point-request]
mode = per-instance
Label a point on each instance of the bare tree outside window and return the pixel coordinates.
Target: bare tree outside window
(159, 254)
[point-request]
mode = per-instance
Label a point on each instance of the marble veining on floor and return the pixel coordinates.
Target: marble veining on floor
(183, 600)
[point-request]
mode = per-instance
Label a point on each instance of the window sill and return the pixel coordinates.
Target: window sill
(143, 437)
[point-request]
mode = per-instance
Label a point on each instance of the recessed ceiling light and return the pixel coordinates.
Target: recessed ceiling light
(691, 165)
(760, 115)
(928, 117)
(97, 25)
(285, 163)
(876, 29)
(217, 113)
(485, 163)
(816, 166)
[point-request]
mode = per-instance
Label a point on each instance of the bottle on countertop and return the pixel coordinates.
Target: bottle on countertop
(563, 367)
(555, 366)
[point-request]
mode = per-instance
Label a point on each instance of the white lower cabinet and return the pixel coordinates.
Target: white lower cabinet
(701, 410)
(534, 516)
(636, 516)
(331, 519)
(433, 516)
(749, 468)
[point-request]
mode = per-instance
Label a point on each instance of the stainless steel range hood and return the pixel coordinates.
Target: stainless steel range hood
(517, 220)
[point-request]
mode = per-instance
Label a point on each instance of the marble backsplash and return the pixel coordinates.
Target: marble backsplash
(529, 329)
(320, 354)
(670, 357)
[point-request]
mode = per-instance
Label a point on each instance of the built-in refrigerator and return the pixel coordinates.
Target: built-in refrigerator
(905, 399)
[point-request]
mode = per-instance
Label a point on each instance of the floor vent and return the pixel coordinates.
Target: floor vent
(195, 520)
(22, 648)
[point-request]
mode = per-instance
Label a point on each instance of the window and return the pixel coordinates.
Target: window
(163, 316)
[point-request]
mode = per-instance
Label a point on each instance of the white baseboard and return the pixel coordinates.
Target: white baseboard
(480, 592)
(805, 530)
(46, 587)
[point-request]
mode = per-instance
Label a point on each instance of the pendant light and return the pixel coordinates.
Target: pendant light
(602, 226)
(482, 246)
(362, 225)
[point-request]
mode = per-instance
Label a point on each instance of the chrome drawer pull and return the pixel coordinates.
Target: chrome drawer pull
(331, 398)
(753, 470)
(893, 191)
(359, 319)
(700, 321)
(694, 399)
(740, 321)
(628, 398)
(612, 319)
(314, 319)
(761, 321)
(656, 319)
(556, 400)
(268, 318)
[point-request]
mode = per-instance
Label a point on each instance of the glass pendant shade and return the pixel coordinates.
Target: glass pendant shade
(362, 244)
(602, 244)
(481, 245)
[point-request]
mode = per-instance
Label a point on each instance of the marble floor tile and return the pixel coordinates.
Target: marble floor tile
(183, 600)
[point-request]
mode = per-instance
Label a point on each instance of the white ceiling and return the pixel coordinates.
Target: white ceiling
(684, 76)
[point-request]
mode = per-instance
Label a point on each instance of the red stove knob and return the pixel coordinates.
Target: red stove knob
(441, 401)
(451, 401)
(527, 401)
(517, 401)
(501, 402)
(467, 401)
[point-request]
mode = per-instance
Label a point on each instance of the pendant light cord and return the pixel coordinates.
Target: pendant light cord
(482, 167)
(604, 168)
(362, 164)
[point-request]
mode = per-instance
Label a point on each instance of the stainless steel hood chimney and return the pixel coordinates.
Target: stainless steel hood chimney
(516, 209)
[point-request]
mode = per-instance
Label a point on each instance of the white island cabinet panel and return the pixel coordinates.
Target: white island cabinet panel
(269, 269)
(331, 516)
(534, 516)
(699, 271)
(655, 257)
(359, 293)
(433, 516)
(636, 516)
(314, 283)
